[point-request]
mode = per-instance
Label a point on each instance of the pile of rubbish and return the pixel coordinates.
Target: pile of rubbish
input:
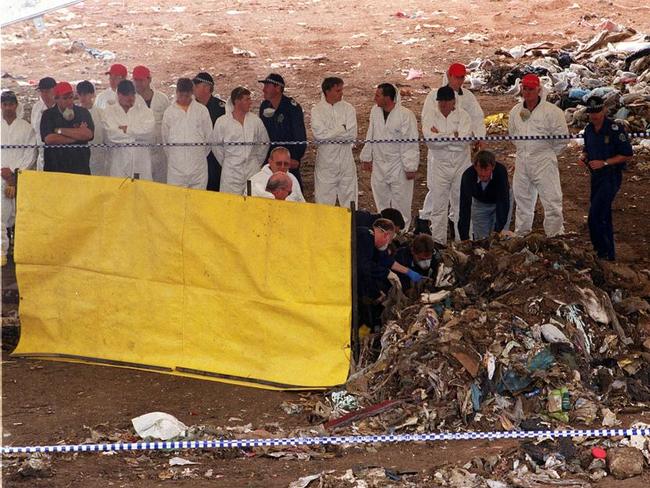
(614, 64)
(531, 465)
(525, 333)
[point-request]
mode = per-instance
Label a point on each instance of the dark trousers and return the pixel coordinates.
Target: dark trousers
(604, 187)
(214, 173)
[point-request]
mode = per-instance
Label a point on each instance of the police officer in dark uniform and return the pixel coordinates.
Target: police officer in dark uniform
(203, 88)
(607, 149)
(284, 121)
(373, 265)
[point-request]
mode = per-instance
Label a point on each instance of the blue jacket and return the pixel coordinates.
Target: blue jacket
(286, 124)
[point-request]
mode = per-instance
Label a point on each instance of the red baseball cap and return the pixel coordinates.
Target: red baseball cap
(118, 70)
(62, 88)
(457, 69)
(530, 81)
(141, 73)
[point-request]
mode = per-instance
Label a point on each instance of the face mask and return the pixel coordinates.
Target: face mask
(268, 112)
(425, 263)
(525, 114)
(68, 114)
(384, 247)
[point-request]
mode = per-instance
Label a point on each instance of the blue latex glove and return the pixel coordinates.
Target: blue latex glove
(414, 276)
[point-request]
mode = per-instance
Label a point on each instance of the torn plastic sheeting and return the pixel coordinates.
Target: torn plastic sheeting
(237, 51)
(158, 425)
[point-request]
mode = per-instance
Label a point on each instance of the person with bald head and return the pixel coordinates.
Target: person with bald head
(279, 185)
(279, 161)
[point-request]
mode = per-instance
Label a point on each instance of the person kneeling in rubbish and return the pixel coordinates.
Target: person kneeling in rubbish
(374, 263)
(420, 256)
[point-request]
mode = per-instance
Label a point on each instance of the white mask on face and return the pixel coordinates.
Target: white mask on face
(68, 114)
(425, 263)
(268, 112)
(384, 247)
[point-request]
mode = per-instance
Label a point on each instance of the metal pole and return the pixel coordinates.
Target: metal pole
(354, 341)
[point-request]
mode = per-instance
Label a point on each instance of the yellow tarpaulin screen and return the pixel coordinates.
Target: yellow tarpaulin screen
(202, 284)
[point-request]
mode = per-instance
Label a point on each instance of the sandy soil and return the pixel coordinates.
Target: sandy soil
(46, 402)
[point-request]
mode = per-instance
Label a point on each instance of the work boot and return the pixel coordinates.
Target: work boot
(422, 226)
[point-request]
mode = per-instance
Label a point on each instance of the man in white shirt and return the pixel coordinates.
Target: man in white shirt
(279, 162)
(14, 131)
(116, 73)
(465, 100)
(86, 95)
(279, 187)
(446, 161)
(46, 100)
(158, 102)
(393, 165)
(187, 121)
(239, 162)
(335, 173)
(536, 166)
(124, 122)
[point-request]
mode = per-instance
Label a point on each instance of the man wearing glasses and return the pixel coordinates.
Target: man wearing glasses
(66, 123)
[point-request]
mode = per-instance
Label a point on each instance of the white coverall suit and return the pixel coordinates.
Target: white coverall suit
(261, 178)
(239, 163)
(159, 104)
(391, 161)
(37, 114)
(446, 163)
(125, 162)
(335, 173)
(466, 101)
(97, 154)
(186, 165)
(19, 132)
(536, 167)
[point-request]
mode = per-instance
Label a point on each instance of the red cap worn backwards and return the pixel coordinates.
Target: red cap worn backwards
(62, 88)
(457, 69)
(530, 81)
(118, 70)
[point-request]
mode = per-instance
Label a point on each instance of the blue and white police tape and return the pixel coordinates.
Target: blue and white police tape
(327, 440)
(496, 138)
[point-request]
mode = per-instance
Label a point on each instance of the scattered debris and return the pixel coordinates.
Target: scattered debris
(243, 52)
(177, 461)
(414, 74)
(158, 425)
(36, 466)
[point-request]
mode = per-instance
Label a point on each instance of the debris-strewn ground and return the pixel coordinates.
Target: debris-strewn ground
(480, 358)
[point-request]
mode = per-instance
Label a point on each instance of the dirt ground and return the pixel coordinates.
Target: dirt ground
(48, 402)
